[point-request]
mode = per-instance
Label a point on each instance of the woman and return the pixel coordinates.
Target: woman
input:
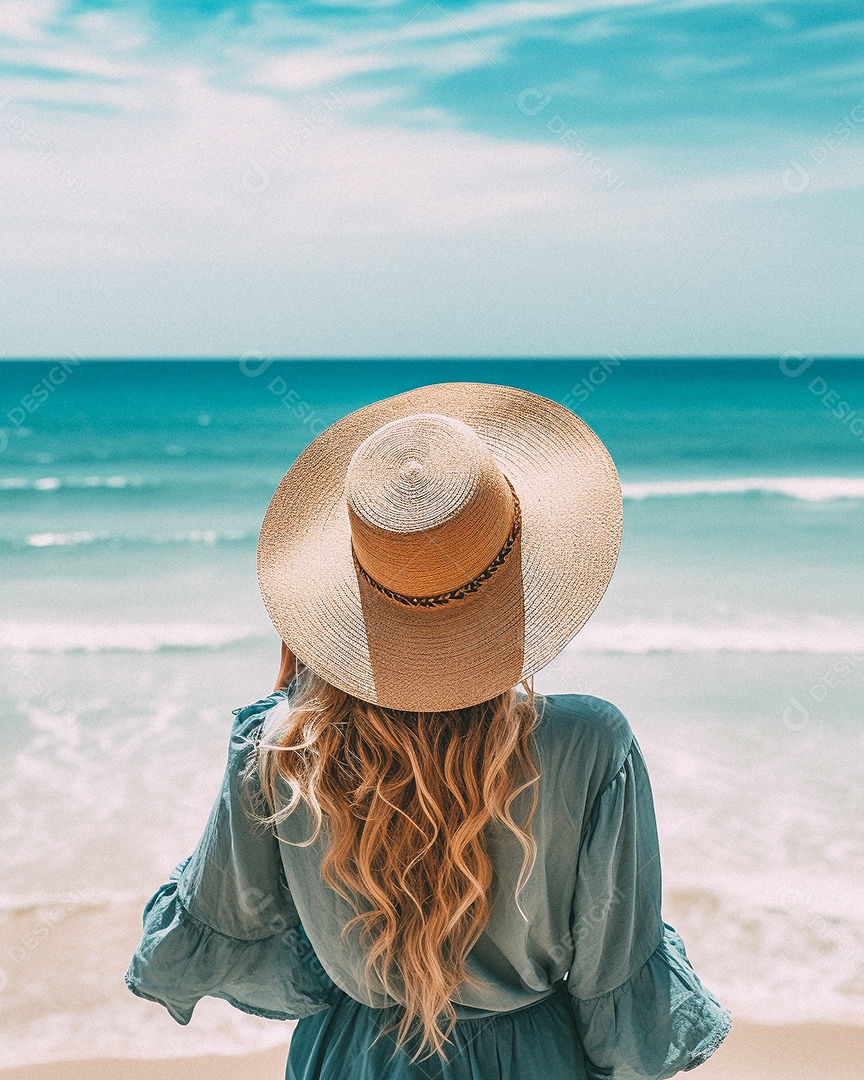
(436, 874)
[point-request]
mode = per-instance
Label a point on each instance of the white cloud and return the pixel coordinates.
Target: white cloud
(306, 70)
(27, 20)
(486, 17)
(253, 162)
(317, 174)
(71, 61)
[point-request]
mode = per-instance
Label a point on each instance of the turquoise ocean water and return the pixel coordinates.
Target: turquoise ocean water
(732, 636)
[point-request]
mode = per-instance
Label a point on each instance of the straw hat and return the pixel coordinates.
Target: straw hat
(430, 551)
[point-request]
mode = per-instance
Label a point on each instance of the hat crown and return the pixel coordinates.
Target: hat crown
(428, 504)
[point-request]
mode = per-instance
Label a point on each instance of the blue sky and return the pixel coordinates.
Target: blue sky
(525, 177)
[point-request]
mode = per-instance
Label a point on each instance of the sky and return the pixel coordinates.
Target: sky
(507, 178)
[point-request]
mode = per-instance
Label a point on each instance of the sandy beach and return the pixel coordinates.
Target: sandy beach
(793, 1052)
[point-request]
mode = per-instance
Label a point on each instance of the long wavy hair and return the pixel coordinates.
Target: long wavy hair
(407, 798)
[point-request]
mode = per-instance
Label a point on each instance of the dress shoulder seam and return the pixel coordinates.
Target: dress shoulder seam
(628, 751)
(598, 798)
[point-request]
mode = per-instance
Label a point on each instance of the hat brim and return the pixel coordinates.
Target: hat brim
(468, 650)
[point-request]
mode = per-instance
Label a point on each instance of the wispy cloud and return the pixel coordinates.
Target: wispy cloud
(630, 68)
(147, 134)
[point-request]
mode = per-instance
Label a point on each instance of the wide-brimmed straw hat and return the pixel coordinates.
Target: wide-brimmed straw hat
(432, 550)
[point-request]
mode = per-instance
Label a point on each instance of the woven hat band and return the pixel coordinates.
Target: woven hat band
(429, 507)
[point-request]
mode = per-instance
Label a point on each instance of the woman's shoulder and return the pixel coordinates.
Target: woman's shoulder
(251, 717)
(585, 720)
(247, 727)
(583, 738)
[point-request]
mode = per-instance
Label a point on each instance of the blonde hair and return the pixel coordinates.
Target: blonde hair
(408, 798)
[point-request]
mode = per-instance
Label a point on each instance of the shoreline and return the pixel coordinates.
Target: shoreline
(772, 1052)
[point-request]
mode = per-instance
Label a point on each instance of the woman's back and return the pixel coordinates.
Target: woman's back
(249, 917)
(580, 744)
(435, 861)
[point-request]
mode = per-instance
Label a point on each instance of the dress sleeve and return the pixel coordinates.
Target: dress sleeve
(639, 1008)
(225, 925)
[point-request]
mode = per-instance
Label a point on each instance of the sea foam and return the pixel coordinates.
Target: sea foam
(61, 637)
(807, 488)
(179, 536)
(761, 634)
(55, 483)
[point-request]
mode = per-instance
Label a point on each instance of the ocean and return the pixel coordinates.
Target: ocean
(732, 636)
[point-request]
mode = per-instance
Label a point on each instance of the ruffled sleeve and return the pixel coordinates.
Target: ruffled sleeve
(225, 925)
(639, 1008)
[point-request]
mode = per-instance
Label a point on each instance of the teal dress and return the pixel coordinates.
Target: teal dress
(587, 981)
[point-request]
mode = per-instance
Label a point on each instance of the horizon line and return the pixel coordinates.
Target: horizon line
(597, 357)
